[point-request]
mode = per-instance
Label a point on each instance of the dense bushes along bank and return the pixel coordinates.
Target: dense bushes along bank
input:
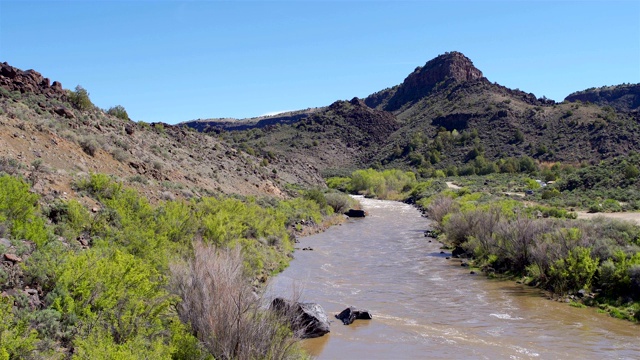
(122, 281)
(596, 261)
(561, 255)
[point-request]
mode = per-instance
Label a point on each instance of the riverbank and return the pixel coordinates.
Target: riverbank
(544, 244)
(424, 304)
(592, 263)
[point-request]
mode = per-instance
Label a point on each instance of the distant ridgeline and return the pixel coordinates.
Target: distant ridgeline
(625, 97)
(447, 115)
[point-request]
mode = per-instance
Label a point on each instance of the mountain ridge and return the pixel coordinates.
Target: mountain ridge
(449, 116)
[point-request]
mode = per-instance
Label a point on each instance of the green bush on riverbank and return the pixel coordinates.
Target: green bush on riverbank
(560, 254)
(97, 284)
(387, 184)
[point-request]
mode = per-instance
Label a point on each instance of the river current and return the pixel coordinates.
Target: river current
(425, 306)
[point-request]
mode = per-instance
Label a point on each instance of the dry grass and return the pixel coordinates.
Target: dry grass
(224, 312)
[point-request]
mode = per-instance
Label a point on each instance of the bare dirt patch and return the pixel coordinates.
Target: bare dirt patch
(630, 216)
(451, 185)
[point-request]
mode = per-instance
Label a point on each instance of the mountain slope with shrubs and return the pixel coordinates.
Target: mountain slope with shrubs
(110, 228)
(51, 135)
(447, 116)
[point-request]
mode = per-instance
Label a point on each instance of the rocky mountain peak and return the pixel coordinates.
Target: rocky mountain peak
(452, 65)
(446, 68)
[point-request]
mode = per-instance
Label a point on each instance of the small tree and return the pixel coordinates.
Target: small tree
(80, 98)
(518, 137)
(119, 112)
(631, 172)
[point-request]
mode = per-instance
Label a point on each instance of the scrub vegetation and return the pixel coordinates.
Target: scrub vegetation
(140, 240)
(122, 281)
(595, 262)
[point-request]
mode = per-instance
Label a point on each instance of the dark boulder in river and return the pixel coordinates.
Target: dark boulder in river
(458, 252)
(355, 213)
(308, 320)
(350, 314)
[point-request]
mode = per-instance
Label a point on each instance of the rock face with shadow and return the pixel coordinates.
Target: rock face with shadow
(308, 320)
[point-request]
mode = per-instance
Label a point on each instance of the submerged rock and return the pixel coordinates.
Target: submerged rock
(350, 314)
(355, 213)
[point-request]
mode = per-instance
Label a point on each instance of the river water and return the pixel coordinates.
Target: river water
(427, 307)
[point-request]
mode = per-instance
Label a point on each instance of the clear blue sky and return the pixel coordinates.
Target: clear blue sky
(174, 61)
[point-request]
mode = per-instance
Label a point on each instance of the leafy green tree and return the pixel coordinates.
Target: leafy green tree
(80, 98)
(574, 272)
(631, 171)
(119, 112)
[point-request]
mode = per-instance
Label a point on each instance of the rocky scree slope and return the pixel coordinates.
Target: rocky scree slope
(51, 143)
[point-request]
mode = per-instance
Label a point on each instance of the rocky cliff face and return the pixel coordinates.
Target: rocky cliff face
(620, 97)
(442, 70)
(453, 65)
(29, 81)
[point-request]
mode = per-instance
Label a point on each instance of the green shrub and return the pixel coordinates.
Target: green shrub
(316, 195)
(17, 341)
(339, 183)
(80, 98)
(19, 211)
(89, 145)
(550, 193)
(100, 185)
(119, 112)
(574, 272)
(69, 217)
(532, 184)
(388, 184)
(120, 294)
(610, 205)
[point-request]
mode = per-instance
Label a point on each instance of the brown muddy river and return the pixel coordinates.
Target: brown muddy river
(427, 307)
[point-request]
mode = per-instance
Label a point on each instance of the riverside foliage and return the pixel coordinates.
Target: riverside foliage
(558, 253)
(103, 280)
(543, 244)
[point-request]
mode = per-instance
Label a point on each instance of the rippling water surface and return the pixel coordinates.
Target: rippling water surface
(427, 307)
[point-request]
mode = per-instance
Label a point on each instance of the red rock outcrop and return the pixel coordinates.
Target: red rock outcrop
(442, 70)
(453, 65)
(29, 81)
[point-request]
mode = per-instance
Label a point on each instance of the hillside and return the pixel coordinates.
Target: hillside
(48, 138)
(622, 97)
(218, 125)
(101, 257)
(341, 137)
(446, 115)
